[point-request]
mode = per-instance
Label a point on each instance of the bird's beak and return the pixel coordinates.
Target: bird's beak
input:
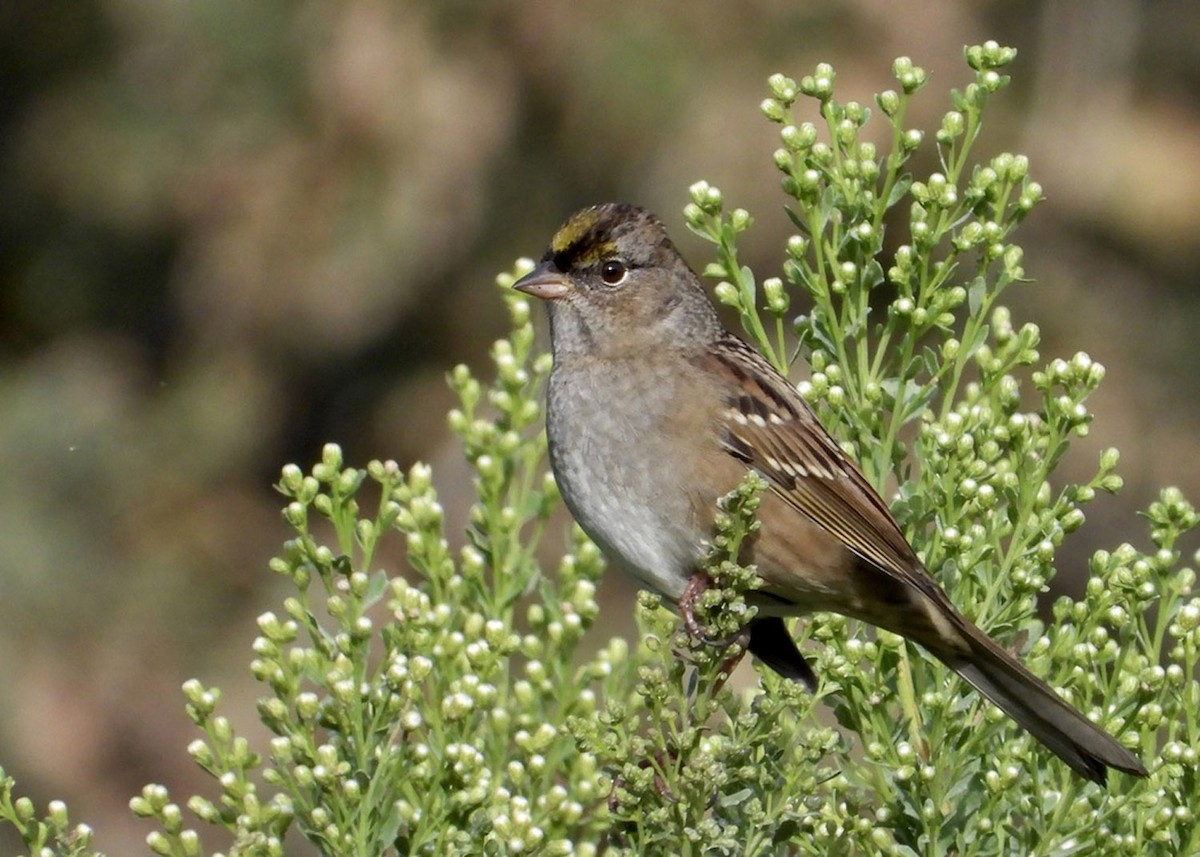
(543, 282)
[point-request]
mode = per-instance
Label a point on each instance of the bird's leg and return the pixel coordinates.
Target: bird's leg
(696, 586)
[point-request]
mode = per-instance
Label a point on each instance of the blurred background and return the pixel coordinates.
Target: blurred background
(233, 231)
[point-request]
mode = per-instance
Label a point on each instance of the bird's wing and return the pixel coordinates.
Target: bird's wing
(768, 426)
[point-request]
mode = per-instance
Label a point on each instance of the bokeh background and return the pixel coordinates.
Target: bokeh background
(231, 231)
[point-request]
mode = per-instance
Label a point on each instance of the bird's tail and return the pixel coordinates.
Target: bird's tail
(996, 674)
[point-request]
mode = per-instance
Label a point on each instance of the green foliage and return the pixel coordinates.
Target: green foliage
(50, 835)
(457, 710)
(417, 716)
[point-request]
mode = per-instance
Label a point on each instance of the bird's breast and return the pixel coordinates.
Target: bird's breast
(622, 475)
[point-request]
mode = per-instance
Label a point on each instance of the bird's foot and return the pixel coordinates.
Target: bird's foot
(696, 587)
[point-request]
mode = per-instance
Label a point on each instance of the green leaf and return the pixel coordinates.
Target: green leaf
(830, 197)
(973, 341)
(930, 361)
(748, 287)
(737, 798)
(899, 189)
(376, 587)
(796, 220)
(976, 292)
(873, 274)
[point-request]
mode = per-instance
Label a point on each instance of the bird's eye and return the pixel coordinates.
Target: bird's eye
(612, 272)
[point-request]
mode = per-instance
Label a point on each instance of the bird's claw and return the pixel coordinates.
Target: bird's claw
(696, 586)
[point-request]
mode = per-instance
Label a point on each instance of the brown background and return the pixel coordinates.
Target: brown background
(232, 231)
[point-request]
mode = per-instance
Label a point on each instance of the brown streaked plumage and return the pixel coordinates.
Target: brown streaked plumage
(655, 410)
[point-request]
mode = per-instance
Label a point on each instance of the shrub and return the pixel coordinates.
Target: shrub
(459, 710)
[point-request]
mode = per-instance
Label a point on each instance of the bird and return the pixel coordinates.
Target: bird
(654, 410)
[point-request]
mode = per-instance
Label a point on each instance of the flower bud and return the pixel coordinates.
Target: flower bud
(727, 294)
(777, 298)
(888, 101)
(773, 110)
(782, 87)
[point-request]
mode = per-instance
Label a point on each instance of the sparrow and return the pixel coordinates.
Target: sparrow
(654, 411)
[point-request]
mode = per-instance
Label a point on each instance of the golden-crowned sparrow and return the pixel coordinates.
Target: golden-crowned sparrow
(655, 410)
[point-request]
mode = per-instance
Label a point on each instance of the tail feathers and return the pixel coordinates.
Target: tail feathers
(771, 643)
(1083, 745)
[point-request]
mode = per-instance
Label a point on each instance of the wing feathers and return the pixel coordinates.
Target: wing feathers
(771, 428)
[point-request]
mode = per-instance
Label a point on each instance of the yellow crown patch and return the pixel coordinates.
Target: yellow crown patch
(572, 232)
(571, 237)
